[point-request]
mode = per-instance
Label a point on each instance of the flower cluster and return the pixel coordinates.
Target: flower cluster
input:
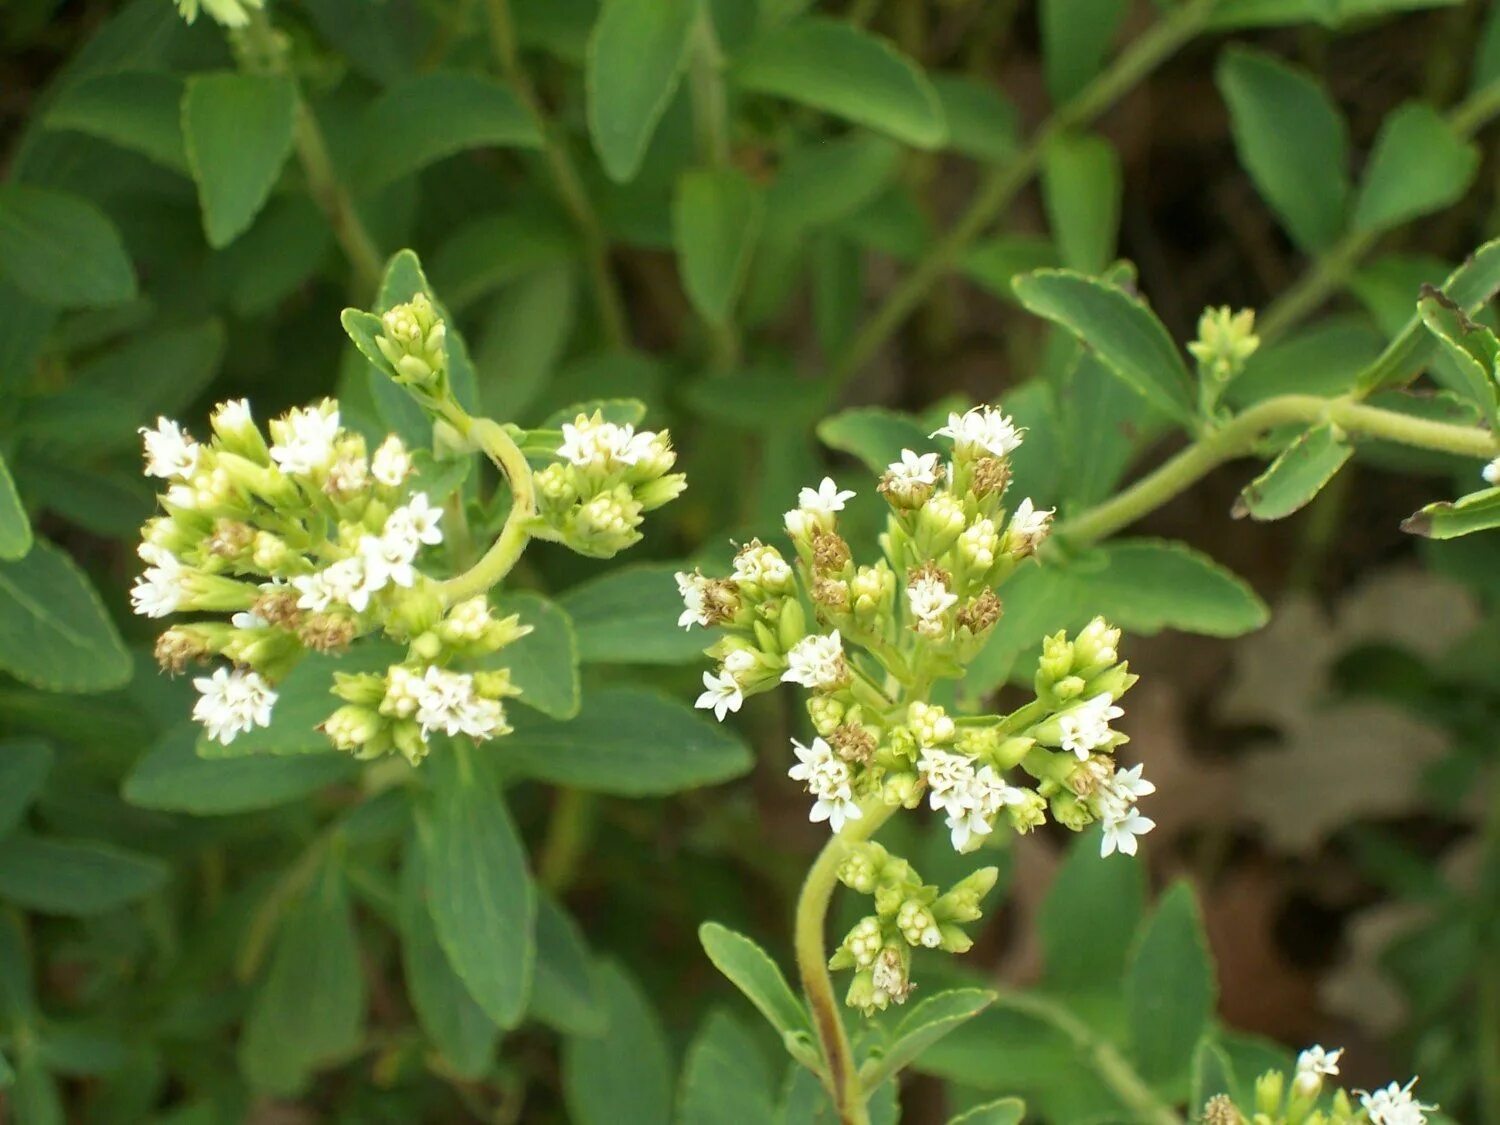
(1301, 1101)
(229, 13)
(309, 542)
(909, 914)
(878, 635)
(606, 477)
(1226, 341)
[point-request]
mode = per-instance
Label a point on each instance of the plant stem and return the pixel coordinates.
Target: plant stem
(565, 177)
(507, 548)
(567, 839)
(711, 135)
(1239, 436)
(812, 962)
(1004, 182)
(1107, 1062)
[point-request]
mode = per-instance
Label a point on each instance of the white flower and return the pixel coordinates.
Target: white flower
(417, 521)
(1085, 728)
(1313, 1065)
(347, 476)
(305, 438)
(1491, 472)
(248, 619)
(1120, 832)
(1395, 1105)
(1100, 641)
(231, 703)
(442, 699)
(1127, 786)
(817, 662)
(982, 430)
(827, 779)
(929, 599)
(387, 560)
(722, 694)
(973, 806)
(695, 608)
(590, 443)
(391, 464)
(914, 470)
(161, 589)
(232, 417)
(823, 500)
(760, 565)
(1029, 525)
(403, 690)
(740, 663)
(343, 582)
(170, 453)
(946, 773)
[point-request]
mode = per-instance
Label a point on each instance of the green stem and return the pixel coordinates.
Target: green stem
(1239, 436)
(565, 177)
(503, 554)
(812, 962)
(567, 839)
(1111, 1067)
(1004, 182)
(711, 133)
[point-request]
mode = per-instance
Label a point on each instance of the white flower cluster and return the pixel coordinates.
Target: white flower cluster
(827, 778)
(970, 798)
(231, 703)
(379, 561)
(1395, 1104)
(440, 700)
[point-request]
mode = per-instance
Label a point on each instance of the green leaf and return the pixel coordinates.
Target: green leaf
(1323, 359)
(303, 700)
(1076, 35)
(1472, 347)
(751, 970)
(1081, 186)
(431, 116)
(7, 1075)
(1299, 473)
(238, 132)
(630, 742)
(483, 254)
(54, 634)
(36, 1096)
(15, 527)
(629, 616)
(137, 110)
(1121, 329)
(1152, 584)
(24, 764)
(309, 1011)
(174, 778)
(716, 219)
(564, 991)
(1091, 911)
(622, 1076)
(1213, 1074)
(1469, 287)
(61, 250)
(981, 123)
(875, 435)
(1292, 140)
(635, 59)
(523, 336)
(923, 1026)
(1420, 164)
(1169, 990)
(995, 263)
(725, 1077)
(819, 184)
(620, 411)
(836, 67)
(1478, 511)
(74, 877)
(1005, 1111)
(544, 663)
(458, 1027)
(480, 894)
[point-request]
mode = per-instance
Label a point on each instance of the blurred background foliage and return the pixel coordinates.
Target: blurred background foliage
(753, 218)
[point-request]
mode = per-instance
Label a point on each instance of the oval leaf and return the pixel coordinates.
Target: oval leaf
(74, 878)
(1298, 474)
(623, 1075)
(1169, 991)
(238, 132)
(751, 970)
(54, 634)
(635, 59)
(1420, 164)
(61, 250)
(716, 219)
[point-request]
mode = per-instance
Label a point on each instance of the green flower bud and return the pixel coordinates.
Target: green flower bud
(917, 924)
(408, 738)
(1056, 661)
(366, 688)
(827, 714)
(1115, 682)
(1269, 1089)
(662, 491)
(1029, 813)
(961, 903)
(605, 525)
(1070, 812)
(862, 944)
(1069, 687)
(270, 553)
(351, 727)
(791, 624)
(929, 724)
(412, 341)
(415, 611)
(1226, 341)
(939, 524)
(860, 870)
(951, 939)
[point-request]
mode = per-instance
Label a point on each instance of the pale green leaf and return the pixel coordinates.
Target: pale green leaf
(1292, 140)
(1212, 1074)
(981, 123)
(54, 633)
(1149, 584)
(843, 70)
(1420, 164)
(564, 987)
(238, 132)
(751, 970)
(1299, 473)
(1471, 346)
(875, 435)
(1076, 36)
(716, 219)
(1005, 1111)
(1170, 991)
(923, 1026)
(15, 526)
(623, 1075)
(629, 616)
(635, 59)
(1081, 186)
(626, 741)
(1478, 511)
(818, 184)
(61, 250)
(74, 877)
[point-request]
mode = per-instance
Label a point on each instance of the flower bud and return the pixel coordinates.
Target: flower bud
(1028, 813)
(1226, 341)
(929, 724)
(366, 688)
(961, 903)
(939, 524)
(826, 714)
(659, 492)
(1269, 1090)
(1070, 812)
(352, 726)
(412, 341)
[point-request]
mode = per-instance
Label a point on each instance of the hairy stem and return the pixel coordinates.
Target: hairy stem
(812, 962)
(1004, 182)
(1239, 436)
(504, 553)
(565, 177)
(1111, 1067)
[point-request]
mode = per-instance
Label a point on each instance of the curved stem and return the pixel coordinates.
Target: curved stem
(1111, 1067)
(1005, 182)
(507, 548)
(812, 962)
(565, 177)
(1239, 436)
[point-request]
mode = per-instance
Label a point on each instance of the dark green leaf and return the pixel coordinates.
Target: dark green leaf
(664, 747)
(139, 110)
(981, 123)
(61, 250)
(923, 1026)
(635, 59)
(1149, 584)
(54, 634)
(1006, 1111)
(818, 184)
(564, 988)
(1299, 473)
(716, 219)
(875, 435)
(1091, 911)
(238, 132)
(15, 527)
(544, 663)
(1420, 164)
(1169, 988)
(1212, 1074)
(751, 970)
(725, 1077)
(480, 894)
(622, 1076)
(839, 68)
(24, 764)
(1081, 186)
(1472, 347)
(73, 877)
(1076, 35)
(629, 616)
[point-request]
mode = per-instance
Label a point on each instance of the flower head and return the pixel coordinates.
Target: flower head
(1085, 728)
(231, 703)
(721, 694)
(817, 662)
(391, 464)
(981, 431)
(827, 778)
(305, 438)
(170, 453)
(1395, 1105)
(1121, 832)
(930, 599)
